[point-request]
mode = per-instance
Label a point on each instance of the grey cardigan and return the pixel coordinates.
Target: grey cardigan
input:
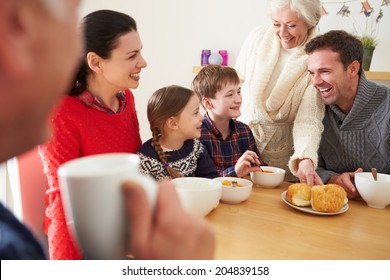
(360, 138)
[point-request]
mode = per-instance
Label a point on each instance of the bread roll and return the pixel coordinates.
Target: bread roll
(299, 194)
(328, 198)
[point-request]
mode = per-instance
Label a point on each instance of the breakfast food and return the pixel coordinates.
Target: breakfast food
(328, 198)
(264, 171)
(299, 194)
(228, 183)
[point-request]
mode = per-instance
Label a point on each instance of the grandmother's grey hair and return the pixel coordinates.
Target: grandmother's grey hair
(56, 8)
(309, 10)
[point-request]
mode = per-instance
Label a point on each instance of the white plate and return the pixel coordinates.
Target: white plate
(308, 209)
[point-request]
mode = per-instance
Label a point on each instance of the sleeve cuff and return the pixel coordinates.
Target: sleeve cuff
(294, 161)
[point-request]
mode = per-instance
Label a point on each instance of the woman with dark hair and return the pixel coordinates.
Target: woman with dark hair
(98, 116)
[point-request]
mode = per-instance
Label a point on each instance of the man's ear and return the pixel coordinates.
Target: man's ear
(16, 40)
(354, 68)
(94, 62)
(172, 123)
(207, 103)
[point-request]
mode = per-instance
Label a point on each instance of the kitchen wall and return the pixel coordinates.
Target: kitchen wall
(174, 32)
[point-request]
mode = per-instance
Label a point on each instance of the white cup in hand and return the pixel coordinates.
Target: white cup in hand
(94, 204)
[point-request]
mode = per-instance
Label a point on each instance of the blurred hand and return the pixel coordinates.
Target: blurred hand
(248, 162)
(168, 232)
(347, 181)
(307, 174)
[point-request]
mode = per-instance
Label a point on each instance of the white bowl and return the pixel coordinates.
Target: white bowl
(235, 195)
(375, 193)
(198, 195)
(268, 180)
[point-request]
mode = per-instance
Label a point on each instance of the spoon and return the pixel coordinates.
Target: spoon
(374, 173)
(259, 166)
(234, 184)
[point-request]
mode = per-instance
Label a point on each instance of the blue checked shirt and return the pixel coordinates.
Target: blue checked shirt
(225, 153)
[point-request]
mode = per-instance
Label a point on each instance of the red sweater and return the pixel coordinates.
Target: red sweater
(79, 130)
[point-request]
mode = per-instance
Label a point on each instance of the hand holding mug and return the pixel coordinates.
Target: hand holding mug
(94, 203)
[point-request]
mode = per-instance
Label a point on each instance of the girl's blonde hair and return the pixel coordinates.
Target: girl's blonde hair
(165, 103)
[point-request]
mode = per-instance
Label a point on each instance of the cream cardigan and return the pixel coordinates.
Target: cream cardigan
(287, 122)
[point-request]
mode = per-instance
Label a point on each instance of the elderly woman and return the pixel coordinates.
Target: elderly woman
(279, 103)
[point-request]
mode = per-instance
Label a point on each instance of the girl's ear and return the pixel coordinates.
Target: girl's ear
(207, 103)
(94, 62)
(172, 123)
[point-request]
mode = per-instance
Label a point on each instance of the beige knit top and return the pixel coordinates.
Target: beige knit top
(286, 122)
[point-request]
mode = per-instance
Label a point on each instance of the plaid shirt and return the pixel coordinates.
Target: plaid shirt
(225, 153)
(88, 99)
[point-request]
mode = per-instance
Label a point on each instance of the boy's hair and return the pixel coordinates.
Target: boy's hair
(212, 78)
(346, 45)
(165, 103)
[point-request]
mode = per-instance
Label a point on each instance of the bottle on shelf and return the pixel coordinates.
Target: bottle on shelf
(224, 55)
(205, 57)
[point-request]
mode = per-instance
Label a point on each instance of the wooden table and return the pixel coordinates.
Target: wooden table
(265, 227)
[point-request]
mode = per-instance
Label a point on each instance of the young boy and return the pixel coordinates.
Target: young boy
(229, 142)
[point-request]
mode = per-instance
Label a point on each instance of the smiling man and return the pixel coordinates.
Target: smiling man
(357, 118)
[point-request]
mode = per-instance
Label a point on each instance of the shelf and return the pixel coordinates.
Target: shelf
(379, 76)
(196, 69)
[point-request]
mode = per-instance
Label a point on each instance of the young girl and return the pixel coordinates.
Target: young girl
(98, 116)
(174, 151)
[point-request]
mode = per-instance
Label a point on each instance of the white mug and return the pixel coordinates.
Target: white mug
(94, 204)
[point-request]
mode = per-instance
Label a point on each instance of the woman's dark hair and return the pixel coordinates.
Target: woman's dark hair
(101, 30)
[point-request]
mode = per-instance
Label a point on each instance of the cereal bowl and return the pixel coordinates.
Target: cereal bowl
(198, 196)
(375, 193)
(234, 194)
(271, 177)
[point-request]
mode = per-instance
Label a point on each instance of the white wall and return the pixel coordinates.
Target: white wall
(174, 32)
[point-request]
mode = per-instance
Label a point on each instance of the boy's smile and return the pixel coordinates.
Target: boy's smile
(227, 102)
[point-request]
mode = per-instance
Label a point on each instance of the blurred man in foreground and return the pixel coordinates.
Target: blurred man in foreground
(39, 50)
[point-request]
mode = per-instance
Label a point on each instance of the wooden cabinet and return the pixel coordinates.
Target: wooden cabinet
(382, 78)
(379, 76)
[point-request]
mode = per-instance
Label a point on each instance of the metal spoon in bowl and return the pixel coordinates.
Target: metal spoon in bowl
(374, 173)
(259, 166)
